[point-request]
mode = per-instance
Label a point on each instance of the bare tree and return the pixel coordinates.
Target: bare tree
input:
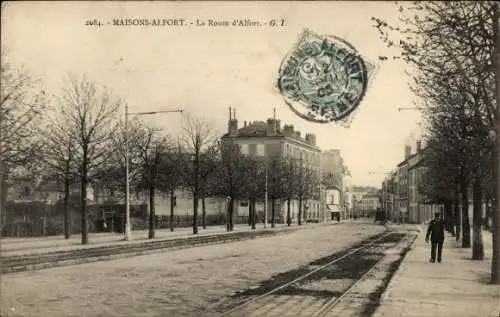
(230, 177)
(208, 165)
(253, 170)
(171, 173)
(290, 172)
(110, 175)
(198, 137)
(305, 184)
(91, 112)
(22, 106)
(152, 147)
(58, 158)
(281, 184)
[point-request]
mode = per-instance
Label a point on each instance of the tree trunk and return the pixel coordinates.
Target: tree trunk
(273, 212)
(456, 212)
(477, 244)
(203, 213)
(249, 218)
(84, 181)
(3, 196)
(172, 206)
(249, 212)
(66, 209)
(465, 217)
(487, 214)
(195, 213)
(196, 189)
(300, 212)
(253, 202)
(231, 215)
(288, 215)
(228, 211)
(152, 214)
(448, 211)
(495, 231)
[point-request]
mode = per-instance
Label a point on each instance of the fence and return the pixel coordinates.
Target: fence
(35, 219)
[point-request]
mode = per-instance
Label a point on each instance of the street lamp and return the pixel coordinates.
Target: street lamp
(128, 231)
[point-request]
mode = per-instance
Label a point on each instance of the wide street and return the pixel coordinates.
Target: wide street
(178, 283)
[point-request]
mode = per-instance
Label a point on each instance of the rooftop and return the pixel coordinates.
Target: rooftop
(271, 128)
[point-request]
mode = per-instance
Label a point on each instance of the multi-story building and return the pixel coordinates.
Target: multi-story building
(271, 141)
(388, 195)
(409, 203)
(348, 199)
(369, 204)
(332, 175)
(332, 163)
(402, 187)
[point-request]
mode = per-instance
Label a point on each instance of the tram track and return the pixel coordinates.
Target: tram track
(319, 287)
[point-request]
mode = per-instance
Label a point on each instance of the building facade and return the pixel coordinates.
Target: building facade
(402, 188)
(409, 204)
(269, 140)
(348, 200)
(369, 204)
(388, 196)
(332, 175)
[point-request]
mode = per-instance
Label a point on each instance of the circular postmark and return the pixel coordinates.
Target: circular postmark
(323, 79)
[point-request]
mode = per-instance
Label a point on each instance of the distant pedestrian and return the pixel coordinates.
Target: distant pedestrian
(436, 232)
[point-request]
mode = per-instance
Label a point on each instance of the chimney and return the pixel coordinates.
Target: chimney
(288, 129)
(407, 151)
(419, 146)
(271, 127)
(311, 138)
(233, 123)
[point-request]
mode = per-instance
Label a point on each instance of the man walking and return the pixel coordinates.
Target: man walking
(436, 232)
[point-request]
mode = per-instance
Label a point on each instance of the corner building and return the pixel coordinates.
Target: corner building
(267, 139)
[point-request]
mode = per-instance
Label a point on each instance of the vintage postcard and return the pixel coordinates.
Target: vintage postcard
(249, 158)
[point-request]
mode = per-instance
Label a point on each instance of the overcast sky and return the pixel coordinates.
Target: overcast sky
(205, 70)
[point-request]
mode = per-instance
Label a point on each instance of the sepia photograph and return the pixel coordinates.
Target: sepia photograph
(250, 159)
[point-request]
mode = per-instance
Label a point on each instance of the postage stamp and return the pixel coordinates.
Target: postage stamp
(323, 79)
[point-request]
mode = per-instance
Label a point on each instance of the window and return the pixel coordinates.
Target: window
(244, 149)
(261, 150)
(252, 149)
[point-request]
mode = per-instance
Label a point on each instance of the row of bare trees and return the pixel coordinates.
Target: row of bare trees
(450, 46)
(78, 138)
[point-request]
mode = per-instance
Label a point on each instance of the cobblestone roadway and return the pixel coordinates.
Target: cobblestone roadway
(179, 283)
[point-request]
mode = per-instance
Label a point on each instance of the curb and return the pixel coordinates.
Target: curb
(144, 242)
(65, 258)
(38, 262)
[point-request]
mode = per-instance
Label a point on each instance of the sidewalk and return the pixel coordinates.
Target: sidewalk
(456, 287)
(22, 246)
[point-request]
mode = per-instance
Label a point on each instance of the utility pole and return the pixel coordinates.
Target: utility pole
(495, 263)
(265, 200)
(128, 227)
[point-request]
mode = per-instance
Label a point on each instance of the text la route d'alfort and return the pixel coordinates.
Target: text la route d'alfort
(197, 22)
